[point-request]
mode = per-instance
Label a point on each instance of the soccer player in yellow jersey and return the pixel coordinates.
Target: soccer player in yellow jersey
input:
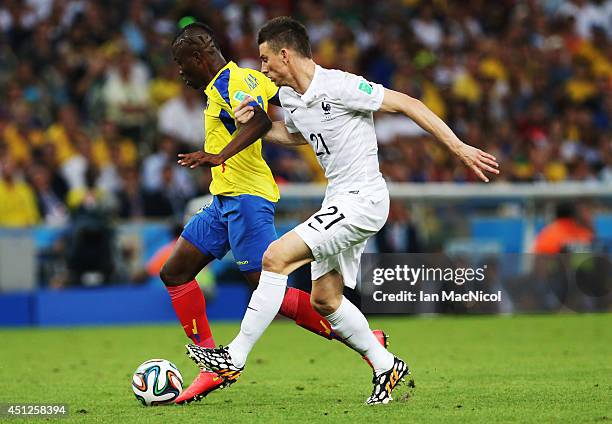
(241, 215)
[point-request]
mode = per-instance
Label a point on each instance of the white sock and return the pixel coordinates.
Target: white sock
(263, 307)
(349, 323)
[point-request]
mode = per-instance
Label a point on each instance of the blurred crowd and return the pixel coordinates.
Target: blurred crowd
(94, 113)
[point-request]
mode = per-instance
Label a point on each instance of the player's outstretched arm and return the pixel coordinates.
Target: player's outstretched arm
(278, 133)
(476, 159)
(248, 133)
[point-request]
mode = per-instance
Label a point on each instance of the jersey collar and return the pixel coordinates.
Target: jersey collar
(228, 65)
(311, 91)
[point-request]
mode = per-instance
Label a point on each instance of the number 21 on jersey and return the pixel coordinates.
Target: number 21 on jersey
(315, 139)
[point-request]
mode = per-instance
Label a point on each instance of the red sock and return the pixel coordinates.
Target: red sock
(190, 307)
(296, 306)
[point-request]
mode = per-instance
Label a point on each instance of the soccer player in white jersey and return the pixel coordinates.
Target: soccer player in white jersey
(332, 111)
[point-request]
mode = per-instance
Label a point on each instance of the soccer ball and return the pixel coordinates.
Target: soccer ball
(157, 382)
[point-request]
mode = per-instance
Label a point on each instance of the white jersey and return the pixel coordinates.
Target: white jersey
(335, 116)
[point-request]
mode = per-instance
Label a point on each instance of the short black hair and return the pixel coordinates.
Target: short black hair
(285, 31)
(565, 210)
(192, 34)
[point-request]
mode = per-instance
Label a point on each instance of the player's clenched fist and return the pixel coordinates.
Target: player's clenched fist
(195, 159)
(244, 112)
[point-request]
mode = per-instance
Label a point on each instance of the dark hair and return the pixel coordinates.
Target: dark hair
(565, 210)
(285, 31)
(192, 34)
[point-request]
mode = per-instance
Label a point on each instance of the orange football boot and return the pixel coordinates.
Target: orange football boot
(201, 386)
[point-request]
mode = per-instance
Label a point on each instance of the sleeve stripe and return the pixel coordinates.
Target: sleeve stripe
(275, 97)
(228, 121)
(222, 86)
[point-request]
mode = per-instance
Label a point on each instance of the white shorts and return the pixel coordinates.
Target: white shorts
(338, 232)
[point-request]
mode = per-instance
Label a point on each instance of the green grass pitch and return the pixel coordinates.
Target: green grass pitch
(548, 368)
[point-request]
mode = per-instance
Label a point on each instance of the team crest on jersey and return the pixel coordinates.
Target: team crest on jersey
(326, 111)
(326, 107)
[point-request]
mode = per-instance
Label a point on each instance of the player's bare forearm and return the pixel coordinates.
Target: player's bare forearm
(474, 158)
(279, 134)
(397, 102)
(248, 133)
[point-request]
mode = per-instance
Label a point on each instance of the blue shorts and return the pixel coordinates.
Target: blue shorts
(243, 224)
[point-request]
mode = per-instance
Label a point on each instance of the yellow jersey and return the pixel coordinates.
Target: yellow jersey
(246, 172)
